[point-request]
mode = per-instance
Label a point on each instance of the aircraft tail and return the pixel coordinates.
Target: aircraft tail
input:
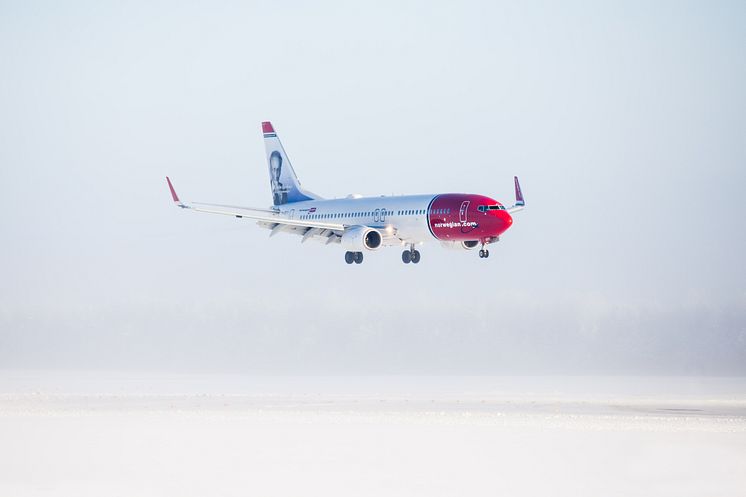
(285, 185)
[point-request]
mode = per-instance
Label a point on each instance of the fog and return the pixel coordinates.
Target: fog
(626, 124)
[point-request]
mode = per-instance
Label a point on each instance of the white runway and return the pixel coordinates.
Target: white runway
(77, 434)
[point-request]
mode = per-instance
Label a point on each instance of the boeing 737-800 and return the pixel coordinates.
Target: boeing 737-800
(365, 224)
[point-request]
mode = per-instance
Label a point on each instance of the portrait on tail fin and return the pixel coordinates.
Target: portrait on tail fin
(285, 186)
(279, 192)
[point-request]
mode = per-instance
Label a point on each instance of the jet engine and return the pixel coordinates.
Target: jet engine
(465, 245)
(361, 237)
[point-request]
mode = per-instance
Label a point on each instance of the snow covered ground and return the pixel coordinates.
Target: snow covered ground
(150, 435)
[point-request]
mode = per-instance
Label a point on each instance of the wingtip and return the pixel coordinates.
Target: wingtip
(267, 127)
(518, 193)
(173, 192)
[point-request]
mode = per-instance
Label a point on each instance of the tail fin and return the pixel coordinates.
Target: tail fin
(285, 185)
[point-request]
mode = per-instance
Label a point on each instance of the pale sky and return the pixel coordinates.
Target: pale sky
(626, 123)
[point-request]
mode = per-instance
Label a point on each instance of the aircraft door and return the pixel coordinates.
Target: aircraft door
(462, 213)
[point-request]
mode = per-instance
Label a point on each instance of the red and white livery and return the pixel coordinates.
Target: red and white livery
(365, 224)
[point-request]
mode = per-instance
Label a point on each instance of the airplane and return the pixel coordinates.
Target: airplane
(366, 224)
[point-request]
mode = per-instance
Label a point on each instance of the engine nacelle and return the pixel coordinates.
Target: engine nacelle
(465, 245)
(361, 237)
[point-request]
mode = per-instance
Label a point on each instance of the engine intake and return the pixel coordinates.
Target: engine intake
(464, 245)
(361, 238)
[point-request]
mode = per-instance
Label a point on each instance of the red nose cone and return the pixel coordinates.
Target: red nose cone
(507, 220)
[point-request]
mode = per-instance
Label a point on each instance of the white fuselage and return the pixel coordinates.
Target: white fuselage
(404, 215)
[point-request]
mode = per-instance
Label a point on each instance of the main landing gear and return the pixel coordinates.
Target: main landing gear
(410, 255)
(356, 257)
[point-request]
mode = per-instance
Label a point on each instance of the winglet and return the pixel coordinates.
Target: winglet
(518, 193)
(173, 193)
(267, 127)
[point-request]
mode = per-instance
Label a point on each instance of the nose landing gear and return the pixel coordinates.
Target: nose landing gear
(483, 252)
(356, 257)
(410, 255)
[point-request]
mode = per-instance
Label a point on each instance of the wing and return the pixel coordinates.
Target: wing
(273, 219)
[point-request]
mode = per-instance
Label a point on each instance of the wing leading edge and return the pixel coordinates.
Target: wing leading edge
(270, 217)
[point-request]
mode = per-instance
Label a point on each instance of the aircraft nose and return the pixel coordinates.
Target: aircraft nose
(506, 220)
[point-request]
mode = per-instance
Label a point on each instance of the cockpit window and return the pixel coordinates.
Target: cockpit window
(485, 208)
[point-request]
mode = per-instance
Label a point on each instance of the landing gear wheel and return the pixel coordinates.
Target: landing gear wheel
(358, 257)
(415, 256)
(486, 253)
(481, 253)
(349, 257)
(406, 257)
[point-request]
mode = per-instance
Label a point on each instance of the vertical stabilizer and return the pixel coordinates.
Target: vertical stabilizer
(283, 181)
